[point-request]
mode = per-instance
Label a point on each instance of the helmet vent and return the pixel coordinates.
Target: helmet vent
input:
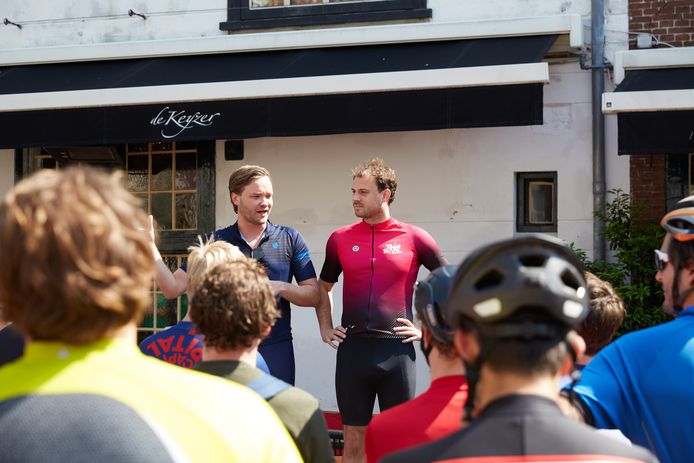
(570, 280)
(490, 279)
(533, 260)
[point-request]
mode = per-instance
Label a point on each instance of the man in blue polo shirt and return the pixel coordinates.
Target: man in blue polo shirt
(282, 251)
(642, 383)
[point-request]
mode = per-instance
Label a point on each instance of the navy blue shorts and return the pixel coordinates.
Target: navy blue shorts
(280, 359)
(370, 367)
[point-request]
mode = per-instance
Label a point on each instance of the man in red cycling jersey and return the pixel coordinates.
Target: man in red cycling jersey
(380, 258)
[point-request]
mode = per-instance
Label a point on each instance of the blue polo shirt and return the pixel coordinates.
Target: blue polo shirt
(643, 385)
(284, 254)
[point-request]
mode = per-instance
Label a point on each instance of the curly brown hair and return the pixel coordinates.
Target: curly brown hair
(605, 314)
(77, 263)
(384, 175)
(234, 305)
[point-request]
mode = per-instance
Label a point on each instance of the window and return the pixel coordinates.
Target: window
(536, 200)
(174, 180)
(266, 14)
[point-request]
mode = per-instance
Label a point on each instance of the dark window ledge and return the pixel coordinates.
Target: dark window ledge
(241, 17)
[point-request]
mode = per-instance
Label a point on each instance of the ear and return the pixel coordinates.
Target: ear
(386, 195)
(579, 347)
(234, 198)
(426, 335)
(466, 345)
(266, 332)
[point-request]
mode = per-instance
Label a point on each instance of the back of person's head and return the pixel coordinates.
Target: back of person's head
(520, 297)
(605, 314)
(385, 176)
(206, 255)
(77, 264)
(679, 223)
(243, 176)
(234, 305)
(430, 296)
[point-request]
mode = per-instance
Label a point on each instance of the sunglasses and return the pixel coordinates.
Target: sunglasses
(661, 259)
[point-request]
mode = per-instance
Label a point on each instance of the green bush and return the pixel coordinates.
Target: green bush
(632, 273)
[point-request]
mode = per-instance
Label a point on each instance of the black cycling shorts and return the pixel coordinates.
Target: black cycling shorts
(368, 367)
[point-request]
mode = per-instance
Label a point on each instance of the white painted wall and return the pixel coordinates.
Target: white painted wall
(457, 184)
(68, 22)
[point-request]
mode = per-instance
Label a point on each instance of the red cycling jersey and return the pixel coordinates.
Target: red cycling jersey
(380, 263)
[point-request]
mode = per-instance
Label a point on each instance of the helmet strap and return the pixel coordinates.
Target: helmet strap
(426, 349)
(677, 297)
(472, 374)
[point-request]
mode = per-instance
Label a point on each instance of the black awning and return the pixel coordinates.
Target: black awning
(656, 132)
(184, 116)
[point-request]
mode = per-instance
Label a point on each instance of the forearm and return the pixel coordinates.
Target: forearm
(324, 312)
(171, 285)
(303, 294)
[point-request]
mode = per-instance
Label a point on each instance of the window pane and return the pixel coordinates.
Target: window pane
(162, 146)
(186, 211)
(161, 209)
(186, 145)
(186, 171)
(184, 305)
(138, 168)
(161, 172)
(541, 196)
(139, 148)
(45, 163)
(144, 201)
(148, 320)
(166, 311)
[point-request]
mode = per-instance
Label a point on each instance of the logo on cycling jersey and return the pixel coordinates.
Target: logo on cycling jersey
(355, 248)
(392, 249)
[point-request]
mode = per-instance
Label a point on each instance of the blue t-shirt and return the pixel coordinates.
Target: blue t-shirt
(181, 345)
(284, 253)
(643, 385)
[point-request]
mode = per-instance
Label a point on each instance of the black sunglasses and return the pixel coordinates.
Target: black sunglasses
(661, 259)
(257, 254)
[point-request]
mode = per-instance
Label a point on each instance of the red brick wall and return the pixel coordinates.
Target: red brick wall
(647, 174)
(670, 21)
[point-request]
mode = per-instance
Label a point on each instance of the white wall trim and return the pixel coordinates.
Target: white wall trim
(651, 59)
(646, 101)
(308, 38)
(272, 88)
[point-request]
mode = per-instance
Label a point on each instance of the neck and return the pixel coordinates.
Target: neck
(250, 231)
(379, 217)
(583, 360)
(441, 366)
(244, 354)
(494, 385)
(127, 332)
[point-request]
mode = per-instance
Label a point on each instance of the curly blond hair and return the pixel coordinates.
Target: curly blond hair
(77, 261)
(206, 255)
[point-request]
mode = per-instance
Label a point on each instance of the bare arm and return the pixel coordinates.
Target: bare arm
(304, 294)
(172, 285)
(324, 312)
